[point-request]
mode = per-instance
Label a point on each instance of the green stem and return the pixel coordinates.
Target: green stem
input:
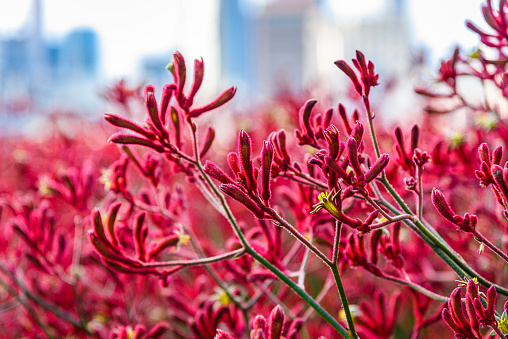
(335, 270)
(430, 235)
(200, 261)
(417, 287)
(441, 248)
(258, 257)
(303, 267)
(322, 294)
(490, 245)
(343, 298)
(291, 229)
(336, 241)
(419, 170)
(373, 136)
(304, 295)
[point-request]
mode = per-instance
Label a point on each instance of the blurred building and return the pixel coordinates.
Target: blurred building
(294, 43)
(58, 68)
(153, 70)
(37, 74)
(79, 53)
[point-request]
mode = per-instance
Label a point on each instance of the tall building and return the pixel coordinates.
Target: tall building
(279, 38)
(80, 52)
(295, 42)
(382, 38)
(263, 45)
(234, 26)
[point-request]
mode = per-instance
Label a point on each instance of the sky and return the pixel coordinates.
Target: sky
(129, 30)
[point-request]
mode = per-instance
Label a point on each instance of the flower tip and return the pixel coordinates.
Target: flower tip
(259, 323)
(223, 335)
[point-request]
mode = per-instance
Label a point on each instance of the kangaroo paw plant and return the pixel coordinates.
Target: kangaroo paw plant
(310, 222)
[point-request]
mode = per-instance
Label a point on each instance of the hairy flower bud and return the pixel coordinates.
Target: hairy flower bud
(275, 323)
(236, 193)
(266, 167)
(222, 99)
(377, 168)
(244, 150)
(215, 172)
(206, 141)
(344, 67)
(439, 201)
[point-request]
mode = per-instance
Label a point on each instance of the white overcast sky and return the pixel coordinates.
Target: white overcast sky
(130, 29)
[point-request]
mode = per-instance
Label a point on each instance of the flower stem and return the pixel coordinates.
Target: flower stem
(343, 298)
(258, 257)
(427, 233)
(200, 261)
(335, 271)
(490, 245)
(304, 295)
(303, 267)
(498, 331)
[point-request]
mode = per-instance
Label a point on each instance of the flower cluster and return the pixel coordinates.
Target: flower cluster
(267, 238)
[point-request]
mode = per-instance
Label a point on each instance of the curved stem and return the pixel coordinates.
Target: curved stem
(490, 245)
(419, 172)
(440, 247)
(303, 267)
(426, 232)
(498, 331)
(416, 287)
(304, 295)
(291, 229)
(201, 261)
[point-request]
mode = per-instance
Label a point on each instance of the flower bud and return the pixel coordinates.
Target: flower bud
(275, 323)
(377, 168)
(352, 152)
(153, 112)
(344, 67)
(258, 328)
(244, 150)
(167, 93)
(415, 135)
(129, 139)
(206, 141)
(304, 114)
(236, 193)
(267, 159)
(199, 71)
(215, 172)
(119, 121)
(222, 99)
(112, 213)
(483, 153)
(439, 201)
(345, 120)
(139, 234)
(497, 155)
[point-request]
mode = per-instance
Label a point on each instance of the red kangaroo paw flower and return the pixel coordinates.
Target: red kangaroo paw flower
(236, 193)
(266, 168)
